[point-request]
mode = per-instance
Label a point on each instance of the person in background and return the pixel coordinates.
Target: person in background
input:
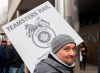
(4, 43)
(2, 57)
(5, 65)
(13, 59)
(61, 57)
(83, 51)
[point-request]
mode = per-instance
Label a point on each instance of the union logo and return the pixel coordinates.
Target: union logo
(41, 33)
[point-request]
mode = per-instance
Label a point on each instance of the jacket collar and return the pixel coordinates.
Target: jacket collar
(61, 68)
(72, 65)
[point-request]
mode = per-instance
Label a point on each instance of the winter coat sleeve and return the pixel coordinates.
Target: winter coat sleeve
(45, 68)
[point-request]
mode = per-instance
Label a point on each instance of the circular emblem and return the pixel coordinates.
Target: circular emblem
(43, 36)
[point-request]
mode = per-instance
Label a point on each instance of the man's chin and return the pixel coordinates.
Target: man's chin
(70, 62)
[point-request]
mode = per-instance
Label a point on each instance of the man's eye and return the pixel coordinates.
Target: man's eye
(66, 48)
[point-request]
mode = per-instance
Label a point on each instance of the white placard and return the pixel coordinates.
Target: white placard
(32, 33)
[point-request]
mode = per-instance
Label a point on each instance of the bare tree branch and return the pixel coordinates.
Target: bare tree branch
(3, 15)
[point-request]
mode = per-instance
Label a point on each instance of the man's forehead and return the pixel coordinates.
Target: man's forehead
(70, 45)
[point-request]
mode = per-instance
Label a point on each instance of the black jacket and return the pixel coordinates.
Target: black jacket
(13, 58)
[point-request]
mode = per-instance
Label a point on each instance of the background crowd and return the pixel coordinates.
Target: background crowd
(10, 61)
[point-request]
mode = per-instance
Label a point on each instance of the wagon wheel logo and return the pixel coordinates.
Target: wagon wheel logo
(41, 33)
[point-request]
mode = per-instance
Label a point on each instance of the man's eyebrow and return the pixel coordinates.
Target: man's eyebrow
(66, 47)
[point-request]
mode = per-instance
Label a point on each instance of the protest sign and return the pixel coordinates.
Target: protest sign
(32, 33)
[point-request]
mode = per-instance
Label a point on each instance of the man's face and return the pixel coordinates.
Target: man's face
(67, 53)
(8, 43)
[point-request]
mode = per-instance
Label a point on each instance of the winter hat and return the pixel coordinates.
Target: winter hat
(60, 41)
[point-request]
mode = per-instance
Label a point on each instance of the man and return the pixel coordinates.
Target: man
(13, 59)
(61, 58)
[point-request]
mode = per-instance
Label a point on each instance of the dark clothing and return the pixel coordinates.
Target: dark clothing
(5, 65)
(2, 55)
(13, 58)
(2, 58)
(51, 65)
(84, 51)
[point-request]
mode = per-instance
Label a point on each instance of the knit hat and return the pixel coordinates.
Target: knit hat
(60, 41)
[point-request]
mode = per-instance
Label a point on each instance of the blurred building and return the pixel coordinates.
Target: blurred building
(82, 15)
(89, 17)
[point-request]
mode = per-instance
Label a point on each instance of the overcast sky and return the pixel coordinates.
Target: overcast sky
(3, 7)
(3, 3)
